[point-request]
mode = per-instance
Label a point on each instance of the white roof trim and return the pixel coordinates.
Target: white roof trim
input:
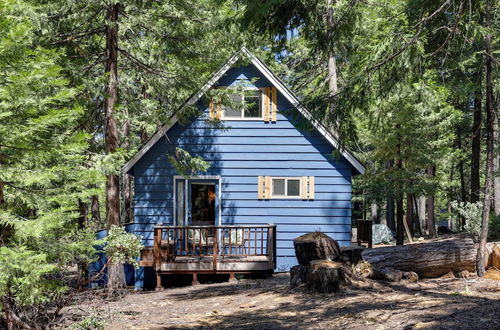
(275, 81)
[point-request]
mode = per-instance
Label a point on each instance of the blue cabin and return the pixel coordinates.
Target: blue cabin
(272, 177)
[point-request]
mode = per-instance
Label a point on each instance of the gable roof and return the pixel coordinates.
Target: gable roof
(280, 86)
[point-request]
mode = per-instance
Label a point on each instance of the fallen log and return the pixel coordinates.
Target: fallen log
(325, 276)
(315, 246)
(425, 259)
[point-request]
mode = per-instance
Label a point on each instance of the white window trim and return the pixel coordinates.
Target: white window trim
(186, 182)
(286, 178)
(223, 111)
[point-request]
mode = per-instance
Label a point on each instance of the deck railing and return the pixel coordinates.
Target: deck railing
(172, 242)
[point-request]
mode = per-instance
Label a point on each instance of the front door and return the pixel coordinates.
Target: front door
(196, 202)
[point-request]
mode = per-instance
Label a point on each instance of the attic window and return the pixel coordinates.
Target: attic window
(250, 106)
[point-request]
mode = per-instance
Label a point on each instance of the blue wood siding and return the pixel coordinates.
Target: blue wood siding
(241, 152)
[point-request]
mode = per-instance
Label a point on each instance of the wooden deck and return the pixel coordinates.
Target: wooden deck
(211, 249)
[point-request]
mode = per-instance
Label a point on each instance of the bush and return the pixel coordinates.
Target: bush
(472, 213)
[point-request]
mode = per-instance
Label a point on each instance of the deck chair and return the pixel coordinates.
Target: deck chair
(236, 238)
(198, 237)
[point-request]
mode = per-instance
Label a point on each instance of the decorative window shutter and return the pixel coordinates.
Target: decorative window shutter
(218, 111)
(267, 187)
(311, 187)
(307, 187)
(260, 187)
(266, 100)
(211, 113)
(304, 187)
(275, 104)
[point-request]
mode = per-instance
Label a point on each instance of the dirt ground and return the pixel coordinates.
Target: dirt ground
(270, 304)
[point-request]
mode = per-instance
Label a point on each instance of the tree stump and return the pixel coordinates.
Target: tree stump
(432, 259)
(316, 246)
(325, 276)
(298, 275)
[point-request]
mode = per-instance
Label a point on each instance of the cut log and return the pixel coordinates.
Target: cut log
(387, 274)
(351, 255)
(492, 274)
(493, 255)
(432, 259)
(315, 246)
(298, 275)
(325, 276)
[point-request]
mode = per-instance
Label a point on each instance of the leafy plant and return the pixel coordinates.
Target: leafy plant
(122, 247)
(187, 165)
(472, 213)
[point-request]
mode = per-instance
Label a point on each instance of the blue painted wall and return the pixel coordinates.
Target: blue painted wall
(239, 154)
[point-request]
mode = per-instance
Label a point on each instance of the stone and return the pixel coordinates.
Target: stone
(381, 234)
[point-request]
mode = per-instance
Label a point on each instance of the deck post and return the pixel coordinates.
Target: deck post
(195, 279)
(158, 281)
(231, 277)
(271, 247)
(215, 248)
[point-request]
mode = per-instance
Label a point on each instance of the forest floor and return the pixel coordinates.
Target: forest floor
(444, 303)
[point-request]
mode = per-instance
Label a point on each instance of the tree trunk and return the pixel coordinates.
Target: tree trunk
(127, 181)
(409, 213)
(374, 212)
(111, 135)
(463, 191)
(116, 274)
(315, 246)
(431, 223)
(82, 221)
(475, 174)
(325, 276)
(427, 259)
(490, 118)
(95, 210)
(421, 215)
(496, 167)
(400, 231)
(390, 214)
(332, 61)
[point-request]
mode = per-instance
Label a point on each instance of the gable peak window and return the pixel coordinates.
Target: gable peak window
(245, 105)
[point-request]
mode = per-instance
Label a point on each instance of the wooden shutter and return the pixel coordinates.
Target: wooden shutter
(218, 111)
(260, 187)
(274, 104)
(266, 101)
(303, 193)
(311, 188)
(212, 114)
(267, 187)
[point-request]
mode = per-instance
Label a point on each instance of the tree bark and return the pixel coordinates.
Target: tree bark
(409, 213)
(475, 175)
(463, 191)
(390, 214)
(116, 274)
(431, 223)
(332, 61)
(496, 167)
(421, 215)
(374, 212)
(432, 259)
(315, 246)
(490, 118)
(111, 135)
(400, 231)
(95, 210)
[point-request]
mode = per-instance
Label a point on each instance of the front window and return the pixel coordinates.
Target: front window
(247, 105)
(285, 187)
